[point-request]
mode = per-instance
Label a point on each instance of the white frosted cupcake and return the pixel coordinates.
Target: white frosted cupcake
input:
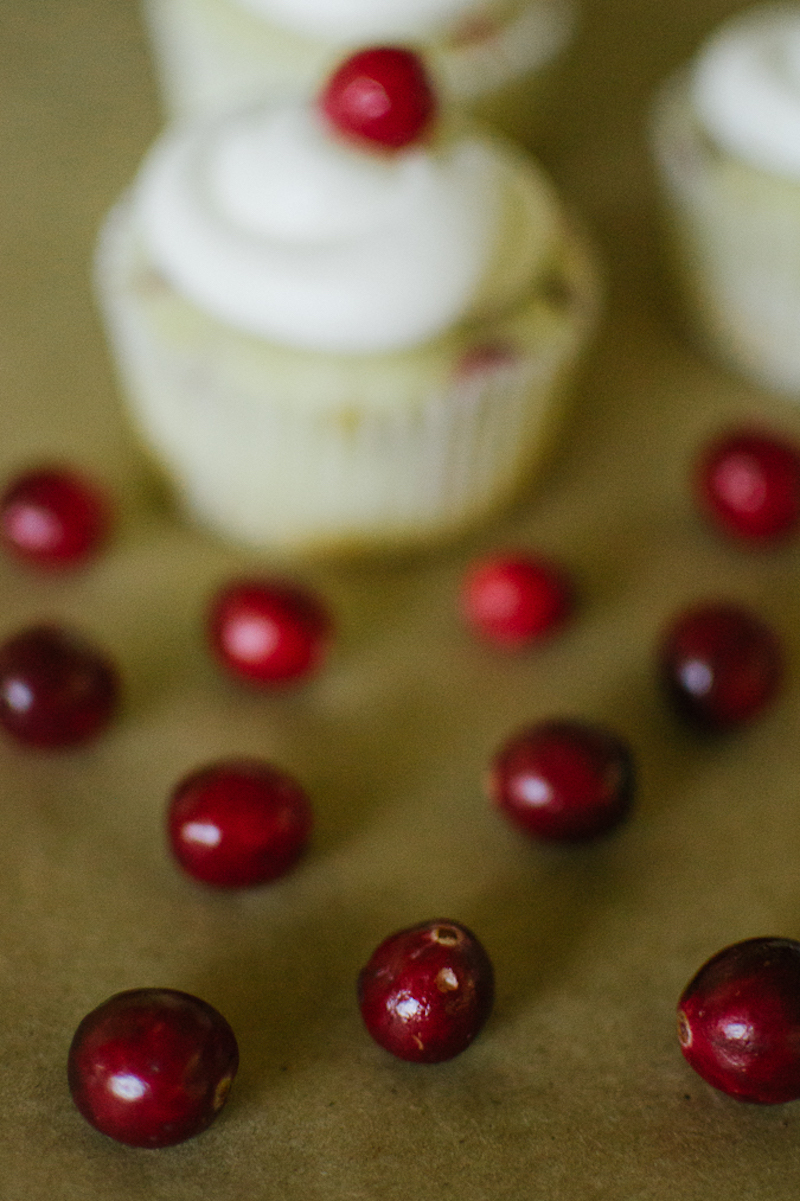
(727, 137)
(333, 336)
(217, 54)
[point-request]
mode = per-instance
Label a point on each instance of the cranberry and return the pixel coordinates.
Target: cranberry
(238, 823)
(513, 600)
(152, 1066)
(268, 632)
(721, 665)
(426, 992)
(52, 517)
(55, 689)
(381, 96)
(485, 359)
(564, 780)
(739, 1020)
(474, 29)
(749, 484)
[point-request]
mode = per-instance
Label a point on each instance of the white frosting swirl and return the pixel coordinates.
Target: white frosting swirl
(746, 88)
(278, 228)
(357, 21)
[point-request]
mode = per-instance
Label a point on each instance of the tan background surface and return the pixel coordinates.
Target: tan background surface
(576, 1089)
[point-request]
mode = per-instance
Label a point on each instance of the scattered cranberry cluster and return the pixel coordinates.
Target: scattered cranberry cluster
(151, 1067)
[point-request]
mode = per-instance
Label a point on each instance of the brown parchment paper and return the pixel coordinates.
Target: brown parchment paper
(576, 1089)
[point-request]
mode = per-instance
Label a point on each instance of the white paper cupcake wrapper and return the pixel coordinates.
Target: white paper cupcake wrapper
(282, 448)
(735, 239)
(212, 55)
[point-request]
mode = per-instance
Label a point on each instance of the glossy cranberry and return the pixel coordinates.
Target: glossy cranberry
(564, 780)
(238, 823)
(426, 992)
(152, 1066)
(55, 688)
(380, 97)
(513, 600)
(721, 665)
(268, 632)
(52, 517)
(749, 485)
(739, 1020)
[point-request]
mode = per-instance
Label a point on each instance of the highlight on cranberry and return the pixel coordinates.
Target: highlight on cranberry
(748, 483)
(53, 517)
(739, 1020)
(563, 780)
(720, 665)
(152, 1067)
(427, 991)
(380, 97)
(268, 632)
(238, 823)
(514, 600)
(56, 689)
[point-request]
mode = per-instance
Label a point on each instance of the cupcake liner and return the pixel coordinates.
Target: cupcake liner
(734, 234)
(213, 55)
(275, 447)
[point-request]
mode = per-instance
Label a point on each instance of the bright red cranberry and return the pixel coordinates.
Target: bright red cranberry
(426, 992)
(739, 1020)
(381, 96)
(52, 517)
(268, 632)
(55, 688)
(513, 600)
(238, 823)
(749, 484)
(564, 780)
(721, 665)
(152, 1066)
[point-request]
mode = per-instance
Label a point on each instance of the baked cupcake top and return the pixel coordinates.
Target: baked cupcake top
(745, 88)
(288, 223)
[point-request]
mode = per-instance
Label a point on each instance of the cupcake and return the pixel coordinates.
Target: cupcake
(727, 140)
(217, 54)
(341, 324)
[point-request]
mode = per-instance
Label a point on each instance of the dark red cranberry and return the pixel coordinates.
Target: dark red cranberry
(484, 359)
(513, 600)
(55, 688)
(749, 485)
(739, 1020)
(268, 632)
(721, 665)
(52, 517)
(426, 992)
(380, 97)
(563, 780)
(238, 823)
(152, 1066)
(474, 29)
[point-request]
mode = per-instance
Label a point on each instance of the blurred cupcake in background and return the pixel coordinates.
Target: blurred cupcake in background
(488, 55)
(344, 328)
(727, 142)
